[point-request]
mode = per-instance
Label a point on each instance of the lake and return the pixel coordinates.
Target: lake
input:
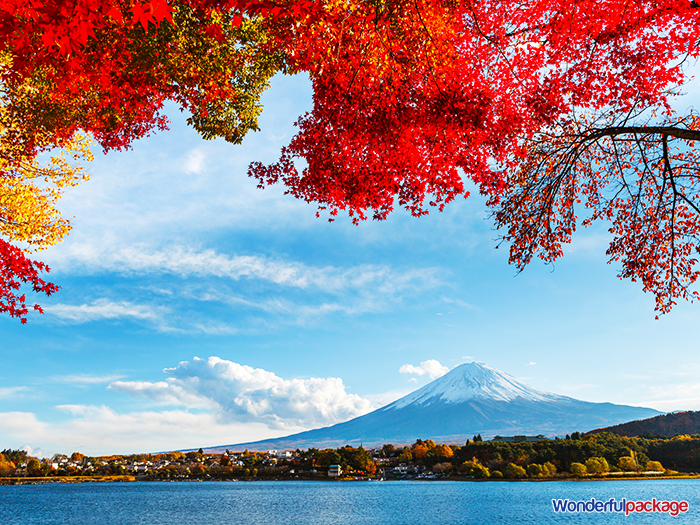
(326, 503)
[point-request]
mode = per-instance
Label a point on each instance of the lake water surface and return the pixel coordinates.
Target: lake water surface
(326, 503)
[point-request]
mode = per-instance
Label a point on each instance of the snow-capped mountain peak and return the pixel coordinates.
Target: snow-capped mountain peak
(470, 399)
(474, 381)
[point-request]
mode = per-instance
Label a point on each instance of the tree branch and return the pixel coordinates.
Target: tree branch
(669, 131)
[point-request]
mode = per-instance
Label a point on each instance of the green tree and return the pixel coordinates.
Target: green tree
(16, 456)
(328, 457)
(514, 471)
(480, 472)
(405, 456)
(534, 470)
(34, 468)
(360, 459)
(597, 466)
(578, 470)
(199, 471)
(654, 466)
(548, 469)
(628, 464)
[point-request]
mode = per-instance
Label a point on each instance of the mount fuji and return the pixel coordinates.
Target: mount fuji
(472, 398)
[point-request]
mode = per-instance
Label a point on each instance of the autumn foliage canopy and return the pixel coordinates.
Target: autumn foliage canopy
(551, 107)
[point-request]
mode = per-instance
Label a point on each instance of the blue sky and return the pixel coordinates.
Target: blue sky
(197, 310)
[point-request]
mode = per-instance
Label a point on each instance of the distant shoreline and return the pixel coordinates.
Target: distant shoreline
(66, 479)
(133, 479)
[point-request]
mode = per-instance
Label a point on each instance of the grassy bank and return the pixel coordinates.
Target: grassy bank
(65, 479)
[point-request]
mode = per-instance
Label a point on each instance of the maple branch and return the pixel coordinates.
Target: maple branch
(618, 161)
(666, 131)
(668, 169)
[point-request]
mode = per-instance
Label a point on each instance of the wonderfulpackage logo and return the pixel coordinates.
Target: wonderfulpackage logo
(674, 508)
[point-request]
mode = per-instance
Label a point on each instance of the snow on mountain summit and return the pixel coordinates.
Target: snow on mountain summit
(474, 381)
(470, 399)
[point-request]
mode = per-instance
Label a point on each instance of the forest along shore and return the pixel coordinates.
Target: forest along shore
(578, 457)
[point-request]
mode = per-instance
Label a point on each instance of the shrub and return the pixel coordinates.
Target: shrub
(548, 469)
(578, 470)
(654, 466)
(627, 463)
(534, 470)
(514, 471)
(480, 472)
(442, 468)
(597, 466)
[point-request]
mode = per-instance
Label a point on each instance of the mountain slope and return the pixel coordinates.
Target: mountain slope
(472, 398)
(668, 425)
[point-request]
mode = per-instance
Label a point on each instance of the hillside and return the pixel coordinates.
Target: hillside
(667, 425)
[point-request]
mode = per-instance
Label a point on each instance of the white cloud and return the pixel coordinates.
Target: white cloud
(384, 398)
(195, 161)
(8, 392)
(297, 292)
(99, 430)
(22, 423)
(188, 262)
(102, 309)
(579, 386)
(431, 367)
(85, 379)
(34, 452)
(220, 402)
(241, 393)
(683, 396)
(361, 303)
(589, 243)
(209, 328)
(459, 303)
(162, 392)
